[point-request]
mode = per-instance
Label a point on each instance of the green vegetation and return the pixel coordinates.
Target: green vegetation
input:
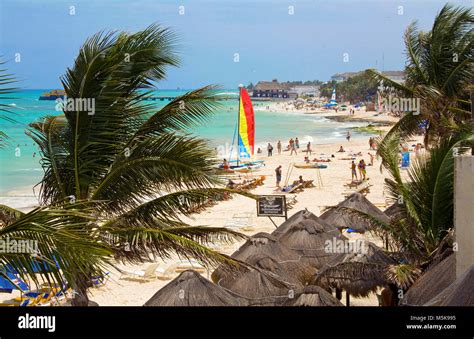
(439, 69)
(121, 179)
(360, 87)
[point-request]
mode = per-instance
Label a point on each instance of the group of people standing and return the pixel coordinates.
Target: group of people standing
(362, 171)
(293, 146)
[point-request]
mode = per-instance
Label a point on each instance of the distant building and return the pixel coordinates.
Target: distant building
(398, 76)
(304, 90)
(339, 77)
(270, 89)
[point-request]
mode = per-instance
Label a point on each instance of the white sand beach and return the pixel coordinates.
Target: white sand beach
(133, 292)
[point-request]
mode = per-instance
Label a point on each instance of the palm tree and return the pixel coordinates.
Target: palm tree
(422, 229)
(439, 67)
(135, 163)
(6, 81)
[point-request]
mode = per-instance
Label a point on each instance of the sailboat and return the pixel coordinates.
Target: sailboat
(332, 102)
(245, 136)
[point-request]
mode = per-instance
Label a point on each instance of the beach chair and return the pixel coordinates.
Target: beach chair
(166, 272)
(148, 274)
(100, 281)
(242, 221)
(291, 189)
(190, 264)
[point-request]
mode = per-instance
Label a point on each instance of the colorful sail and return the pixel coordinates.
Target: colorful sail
(246, 126)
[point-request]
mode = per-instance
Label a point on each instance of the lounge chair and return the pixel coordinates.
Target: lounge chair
(100, 281)
(191, 264)
(148, 274)
(242, 221)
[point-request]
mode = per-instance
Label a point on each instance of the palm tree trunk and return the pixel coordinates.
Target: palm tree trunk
(80, 296)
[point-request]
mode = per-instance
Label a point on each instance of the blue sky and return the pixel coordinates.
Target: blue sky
(271, 43)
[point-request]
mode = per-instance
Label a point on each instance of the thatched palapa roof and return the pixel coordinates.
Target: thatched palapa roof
(313, 296)
(433, 281)
(459, 293)
(191, 289)
(264, 245)
(344, 219)
(308, 236)
(359, 273)
(393, 210)
(258, 283)
(300, 216)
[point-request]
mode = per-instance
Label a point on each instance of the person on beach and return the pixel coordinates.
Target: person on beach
(259, 150)
(293, 149)
(270, 149)
(291, 143)
(279, 147)
(297, 143)
(225, 164)
(341, 149)
(362, 170)
(372, 157)
(353, 171)
(371, 140)
(417, 150)
(308, 149)
(348, 136)
(278, 175)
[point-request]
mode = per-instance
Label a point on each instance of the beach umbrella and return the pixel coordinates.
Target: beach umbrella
(437, 277)
(393, 210)
(345, 219)
(258, 284)
(191, 289)
(310, 238)
(267, 246)
(297, 217)
(459, 293)
(313, 296)
(359, 272)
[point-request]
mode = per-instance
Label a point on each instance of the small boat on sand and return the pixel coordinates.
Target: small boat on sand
(310, 166)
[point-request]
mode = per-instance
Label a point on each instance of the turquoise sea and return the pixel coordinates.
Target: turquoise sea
(20, 169)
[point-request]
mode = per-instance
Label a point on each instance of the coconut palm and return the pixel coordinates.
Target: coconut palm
(421, 230)
(6, 89)
(137, 164)
(439, 68)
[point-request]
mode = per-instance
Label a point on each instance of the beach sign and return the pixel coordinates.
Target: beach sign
(271, 206)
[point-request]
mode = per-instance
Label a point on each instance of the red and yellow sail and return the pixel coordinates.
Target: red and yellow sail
(246, 126)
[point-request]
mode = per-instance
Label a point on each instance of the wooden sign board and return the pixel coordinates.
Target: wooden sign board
(271, 206)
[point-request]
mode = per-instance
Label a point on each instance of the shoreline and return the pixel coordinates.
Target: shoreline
(119, 291)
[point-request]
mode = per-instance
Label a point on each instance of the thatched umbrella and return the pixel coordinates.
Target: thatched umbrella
(309, 237)
(337, 217)
(359, 272)
(191, 289)
(313, 296)
(258, 283)
(298, 217)
(264, 245)
(459, 293)
(393, 210)
(433, 281)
